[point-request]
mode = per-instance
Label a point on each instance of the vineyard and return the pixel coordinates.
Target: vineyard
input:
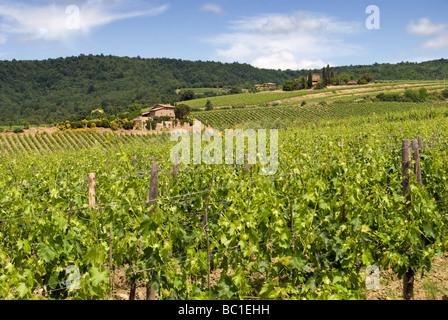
(70, 141)
(76, 208)
(262, 99)
(283, 115)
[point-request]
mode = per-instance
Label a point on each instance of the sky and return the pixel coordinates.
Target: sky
(271, 34)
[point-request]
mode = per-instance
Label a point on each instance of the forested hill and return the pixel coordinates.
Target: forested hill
(70, 88)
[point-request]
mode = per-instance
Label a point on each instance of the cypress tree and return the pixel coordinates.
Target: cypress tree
(310, 80)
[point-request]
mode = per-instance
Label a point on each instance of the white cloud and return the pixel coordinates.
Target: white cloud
(426, 28)
(300, 40)
(48, 22)
(438, 43)
(212, 7)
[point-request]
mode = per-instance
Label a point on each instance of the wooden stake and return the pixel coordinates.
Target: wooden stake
(406, 173)
(92, 193)
(111, 271)
(408, 285)
(247, 165)
(69, 216)
(153, 194)
(153, 187)
(420, 144)
(134, 161)
(206, 230)
(293, 237)
(408, 278)
(175, 168)
(416, 158)
(343, 206)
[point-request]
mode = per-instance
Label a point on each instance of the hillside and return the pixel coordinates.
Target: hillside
(53, 90)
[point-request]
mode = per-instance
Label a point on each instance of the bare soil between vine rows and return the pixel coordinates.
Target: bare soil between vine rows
(433, 285)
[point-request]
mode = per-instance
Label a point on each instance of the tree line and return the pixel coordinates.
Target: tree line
(42, 92)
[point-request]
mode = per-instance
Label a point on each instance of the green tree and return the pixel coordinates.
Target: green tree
(445, 93)
(208, 105)
(320, 85)
(134, 110)
(324, 76)
(309, 83)
(235, 90)
(288, 85)
(182, 111)
(91, 89)
(300, 83)
(367, 76)
(362, 81)
(187, 95)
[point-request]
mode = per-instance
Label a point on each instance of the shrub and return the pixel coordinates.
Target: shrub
(208, 106)
(127, 125)
(303, 103)
(114, 125)
(151, 125)
(18, 130)
(362, 81)
(445, 93)
(416, 96)
(320, 85)
(393, 96)
(289, 85)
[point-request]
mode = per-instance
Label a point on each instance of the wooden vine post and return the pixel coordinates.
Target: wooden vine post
(69, 216)
(406, 164)
(408, 278)
(175, 168)
(111, 270)
(416, 158)
(153, 194)
(92, 193)
(206, 231)
(343, 205)
(293, 235)
(420, 144)
(416, 146)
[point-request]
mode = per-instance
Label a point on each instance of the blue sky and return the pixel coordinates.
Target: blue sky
(269, 34)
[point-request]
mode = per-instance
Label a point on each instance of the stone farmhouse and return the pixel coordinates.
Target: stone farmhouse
(159, 110)
(315, 78)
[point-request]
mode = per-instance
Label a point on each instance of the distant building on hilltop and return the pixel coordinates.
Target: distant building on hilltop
(315, 78)
(159, 110)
